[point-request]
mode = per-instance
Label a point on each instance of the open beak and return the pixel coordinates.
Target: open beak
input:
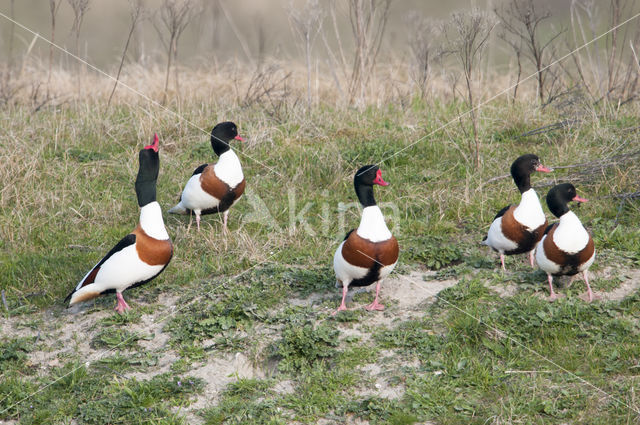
(543, 169)
(579, 199)
(239, 138)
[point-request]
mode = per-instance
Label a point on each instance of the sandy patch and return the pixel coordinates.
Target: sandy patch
(629, 286)
(284, 387)
(412, 291)
(220, 371)
(165, 361)
(69, 332)
(348, 420)
(379, 385)
(506, 290)
(416, 288)
(311, 301)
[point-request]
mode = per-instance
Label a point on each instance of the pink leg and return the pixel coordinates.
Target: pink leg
(343, 306)
(375, 305)
(224, 219)
(586, 281)
(502, 262)
(531, 258)
(198, 221)
(122, 305)
(552, 294)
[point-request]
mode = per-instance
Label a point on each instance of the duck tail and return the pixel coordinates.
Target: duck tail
(178, 209)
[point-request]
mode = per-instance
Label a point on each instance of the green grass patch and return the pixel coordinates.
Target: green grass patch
(246, 401)
(305, 344)
(94, 397)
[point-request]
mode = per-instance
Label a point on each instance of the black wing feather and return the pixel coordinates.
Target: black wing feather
(502, 212)
(199, 170)
(128, 240)
(348, 233)
(549, 227)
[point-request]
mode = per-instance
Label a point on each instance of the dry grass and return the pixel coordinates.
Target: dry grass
(234, 84)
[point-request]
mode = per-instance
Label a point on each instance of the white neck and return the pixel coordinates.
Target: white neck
(529, 211)
(372, 225)
(570, 236)
(151, 221)
(228, 169)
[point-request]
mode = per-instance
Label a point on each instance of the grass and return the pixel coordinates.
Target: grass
(265, 289)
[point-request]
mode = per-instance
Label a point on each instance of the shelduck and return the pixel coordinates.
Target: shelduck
(566, 247)
(369, 253)
(214, 188)
(516, 229)
(141, 255)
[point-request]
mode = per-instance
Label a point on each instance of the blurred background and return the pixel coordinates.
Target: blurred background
(217, 29)
(346, 52)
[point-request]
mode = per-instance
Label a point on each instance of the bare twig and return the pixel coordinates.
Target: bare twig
(496, 178)
(235, 30)
(516, 45)
(630, 195)
(80, 8)
(137, 10)
(54, 5)
(81, 247)
(12, 32)
(521, 19)
(550, 127)
(466, 35)
(422, 33)
(368, 23)
(591, 167)
(635, 56)
(176, 16)
(624, 198)
(609, 75)
(4, 300)
(307, 23)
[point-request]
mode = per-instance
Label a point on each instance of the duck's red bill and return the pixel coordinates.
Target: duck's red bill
(239, 138)
(379, 180)
(543, 169)
(579, 199)
(155, 145)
